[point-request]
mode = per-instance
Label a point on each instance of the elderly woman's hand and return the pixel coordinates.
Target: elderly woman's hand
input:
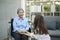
(27, 33)
(23, 32)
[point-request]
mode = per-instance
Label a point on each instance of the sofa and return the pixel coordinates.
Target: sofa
(53, 25)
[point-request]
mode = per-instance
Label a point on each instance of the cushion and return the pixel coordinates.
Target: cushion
(54, 32)
(58, 25)
(51, 25)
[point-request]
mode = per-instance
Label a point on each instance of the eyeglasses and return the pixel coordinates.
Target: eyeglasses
(21, 12)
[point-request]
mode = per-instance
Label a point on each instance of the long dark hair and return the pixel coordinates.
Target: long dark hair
(39, 23)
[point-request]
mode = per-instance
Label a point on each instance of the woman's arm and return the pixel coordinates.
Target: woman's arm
(32, 35)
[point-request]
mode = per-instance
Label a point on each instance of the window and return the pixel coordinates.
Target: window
(44, 7)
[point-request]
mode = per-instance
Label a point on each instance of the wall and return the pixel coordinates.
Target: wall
(7, 11)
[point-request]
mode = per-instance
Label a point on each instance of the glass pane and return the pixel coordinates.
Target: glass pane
(57, 6)
(36, 0)
(41, 0)
(52, 0)
(35, 6)
(51, 14)
(47, 14)
(27, 8)
(46, 7)
(28, 0)
(45, 0)
(35, 3)
(56, 14)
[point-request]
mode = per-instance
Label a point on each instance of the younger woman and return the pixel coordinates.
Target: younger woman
(40, 30)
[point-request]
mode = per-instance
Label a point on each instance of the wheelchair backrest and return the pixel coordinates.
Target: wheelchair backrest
(12, 26)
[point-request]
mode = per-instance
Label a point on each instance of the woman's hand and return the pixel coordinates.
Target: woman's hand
(23, 32)
(27, 33)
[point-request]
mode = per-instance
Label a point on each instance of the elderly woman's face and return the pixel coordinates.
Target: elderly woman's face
(21, 13)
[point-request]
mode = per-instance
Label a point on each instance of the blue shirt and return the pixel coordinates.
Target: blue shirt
(20, 25)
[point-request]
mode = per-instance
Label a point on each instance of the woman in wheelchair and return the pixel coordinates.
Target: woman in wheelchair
(20, 26)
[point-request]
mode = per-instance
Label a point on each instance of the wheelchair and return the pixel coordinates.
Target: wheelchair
(10, 30)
